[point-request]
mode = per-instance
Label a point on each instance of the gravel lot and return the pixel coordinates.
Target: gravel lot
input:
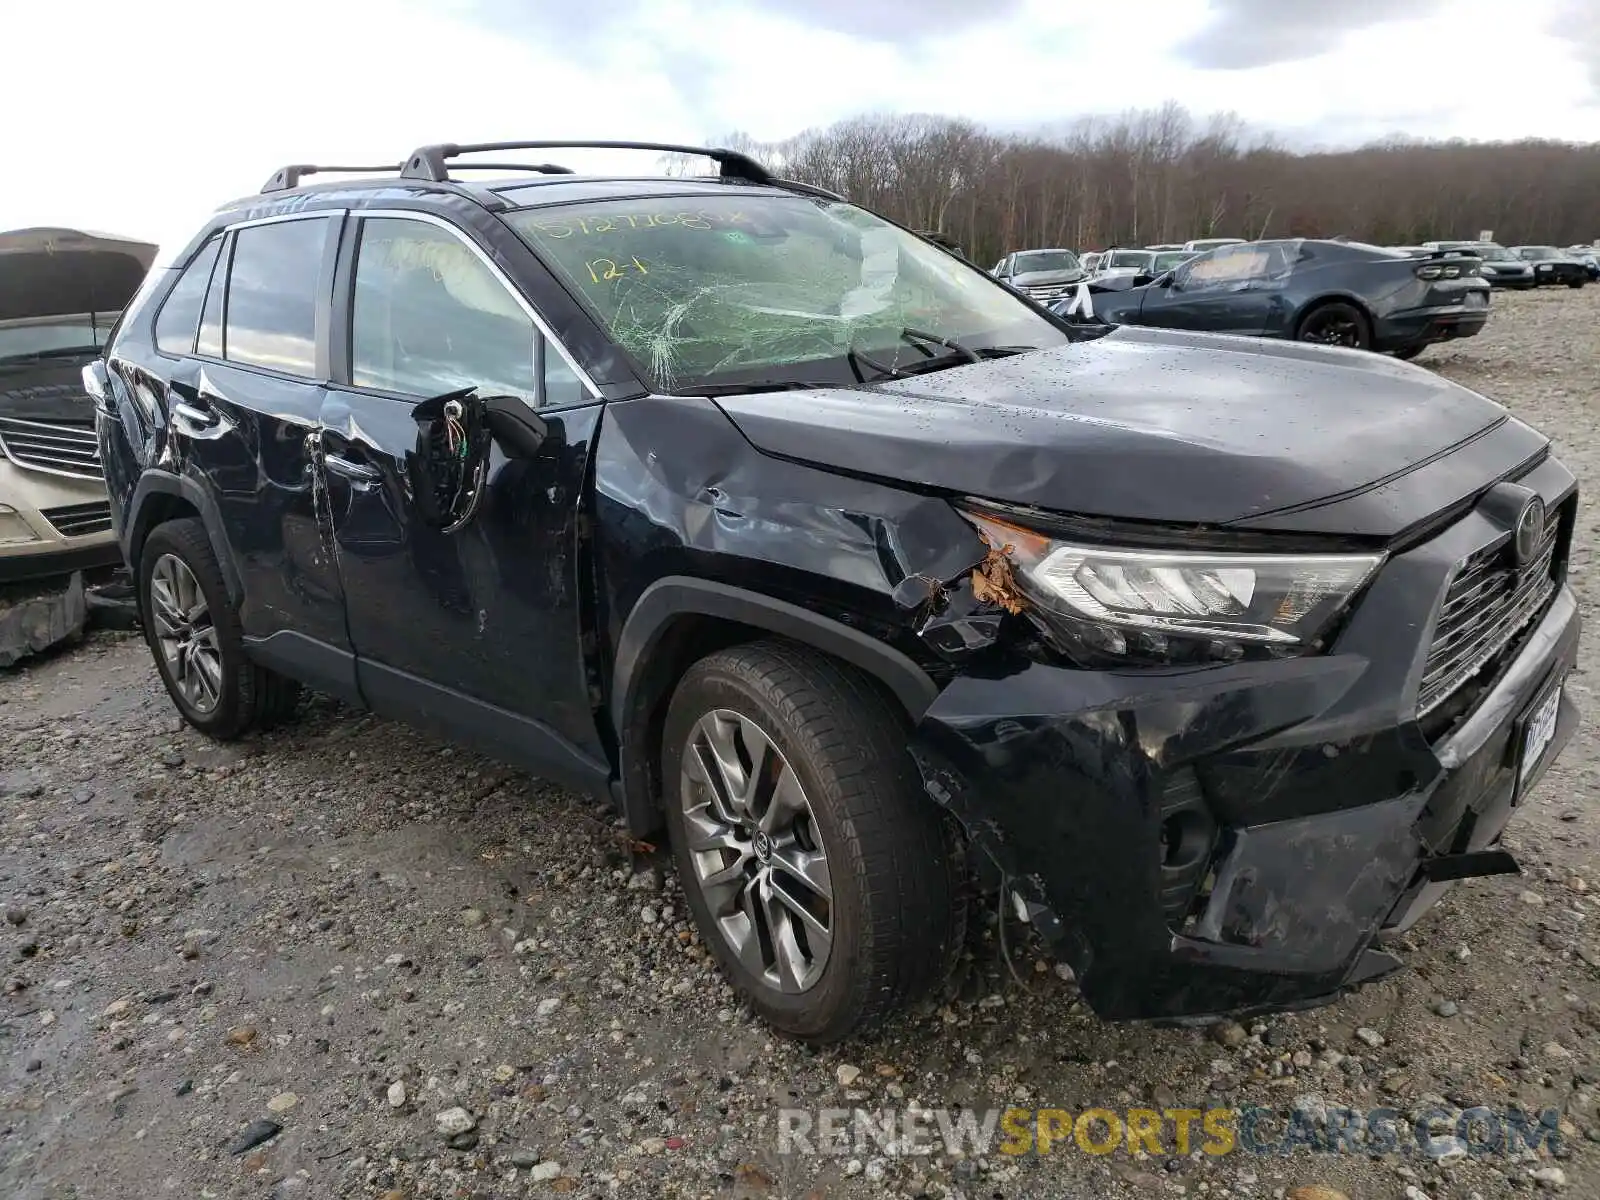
(348, 930)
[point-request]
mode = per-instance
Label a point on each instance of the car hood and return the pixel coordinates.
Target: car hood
(51, 272)
(1046, 278)
(1159, 425)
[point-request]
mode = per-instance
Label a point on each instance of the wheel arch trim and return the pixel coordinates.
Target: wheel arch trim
(154, 483)
(674, 597)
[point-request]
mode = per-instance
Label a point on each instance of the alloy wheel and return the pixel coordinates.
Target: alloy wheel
(185, 634)
(757, 857)
(1332, 330)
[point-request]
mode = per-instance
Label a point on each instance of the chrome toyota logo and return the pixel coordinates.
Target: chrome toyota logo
(1529, 532)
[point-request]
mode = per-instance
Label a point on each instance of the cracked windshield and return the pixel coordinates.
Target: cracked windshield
(761, 292)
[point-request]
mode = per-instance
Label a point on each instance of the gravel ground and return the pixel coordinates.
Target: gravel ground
(345, 960)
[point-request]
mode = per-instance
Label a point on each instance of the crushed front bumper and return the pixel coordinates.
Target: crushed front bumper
(1235, 839)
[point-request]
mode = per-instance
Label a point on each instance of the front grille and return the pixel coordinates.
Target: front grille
(1487, 606)
(80, 520)
(60, 447)
(1053, 292)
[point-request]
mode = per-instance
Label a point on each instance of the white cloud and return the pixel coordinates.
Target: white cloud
(140, 118)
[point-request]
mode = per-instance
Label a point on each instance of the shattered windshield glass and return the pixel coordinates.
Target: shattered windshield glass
(705, 290)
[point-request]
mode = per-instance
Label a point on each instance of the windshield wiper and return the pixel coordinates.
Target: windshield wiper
(740, 389)
(857, 360)
(917, 337)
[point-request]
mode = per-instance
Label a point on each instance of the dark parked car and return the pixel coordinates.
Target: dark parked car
(1553, 266)
(1340, 293)
(1590, 259)
(792, 534)
(1046, 275)
(61, 291)
(1499, 267)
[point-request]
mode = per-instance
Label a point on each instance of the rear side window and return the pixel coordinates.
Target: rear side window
(272, 295)
(180, 315)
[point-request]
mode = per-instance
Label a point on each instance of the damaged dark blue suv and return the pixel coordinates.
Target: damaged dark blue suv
(859, 572)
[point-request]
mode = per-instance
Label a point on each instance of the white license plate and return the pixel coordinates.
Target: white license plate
(1541, 728)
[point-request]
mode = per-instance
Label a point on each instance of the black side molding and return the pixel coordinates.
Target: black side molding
(1471, 865)
(315, 663)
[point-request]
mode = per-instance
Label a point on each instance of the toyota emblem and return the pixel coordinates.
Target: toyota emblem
(1529, 532)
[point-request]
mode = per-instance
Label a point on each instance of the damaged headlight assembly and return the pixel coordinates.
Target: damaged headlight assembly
(1165, 606)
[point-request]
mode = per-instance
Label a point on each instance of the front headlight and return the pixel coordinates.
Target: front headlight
(1174, 605)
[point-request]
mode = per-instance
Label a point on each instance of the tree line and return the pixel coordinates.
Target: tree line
(1163, 175)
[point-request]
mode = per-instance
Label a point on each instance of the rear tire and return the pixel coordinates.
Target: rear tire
(776, 757)
(1577, 283)
(1409, 352)
(195, 638)
(1336, 324)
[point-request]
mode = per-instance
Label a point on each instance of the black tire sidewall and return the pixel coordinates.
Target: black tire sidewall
(816, 1012)
(1322, 311)
(231, 711)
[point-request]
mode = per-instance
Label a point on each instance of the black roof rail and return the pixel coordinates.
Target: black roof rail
(289, 177)
(431, 162)
(539, 168)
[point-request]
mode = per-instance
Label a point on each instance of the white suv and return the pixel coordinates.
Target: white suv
(61, 291)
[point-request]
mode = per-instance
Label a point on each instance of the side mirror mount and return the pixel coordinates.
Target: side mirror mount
(447, 468)
(519, 430)
(1166, 280)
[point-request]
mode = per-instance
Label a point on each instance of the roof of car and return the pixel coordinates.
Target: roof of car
(434, 170)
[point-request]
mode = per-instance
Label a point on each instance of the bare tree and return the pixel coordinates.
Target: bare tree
(1160, 175)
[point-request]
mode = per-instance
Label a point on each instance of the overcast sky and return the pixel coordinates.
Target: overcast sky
(138, 118)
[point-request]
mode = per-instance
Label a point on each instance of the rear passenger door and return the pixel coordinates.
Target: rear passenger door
(474, 632)
(244, 403)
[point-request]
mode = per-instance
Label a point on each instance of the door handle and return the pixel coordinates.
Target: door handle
(361, 473)
(200, 417)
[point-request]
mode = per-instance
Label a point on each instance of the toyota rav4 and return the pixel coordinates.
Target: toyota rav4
(862, 575)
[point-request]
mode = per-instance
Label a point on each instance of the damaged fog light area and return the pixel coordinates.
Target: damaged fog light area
(1100, 603)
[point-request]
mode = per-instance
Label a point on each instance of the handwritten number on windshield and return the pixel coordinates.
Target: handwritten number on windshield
(606, 268)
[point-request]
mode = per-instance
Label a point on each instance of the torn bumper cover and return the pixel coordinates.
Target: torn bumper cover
(1234, 839)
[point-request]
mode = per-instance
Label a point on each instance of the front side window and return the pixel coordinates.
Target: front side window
(272, 295)
(705, 290)
(428, 317)
(1231, 267)
(180, 315)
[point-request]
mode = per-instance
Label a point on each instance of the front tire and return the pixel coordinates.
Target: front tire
(194, 635)
(823, 878)
(1336, 324)
(1409, 352)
